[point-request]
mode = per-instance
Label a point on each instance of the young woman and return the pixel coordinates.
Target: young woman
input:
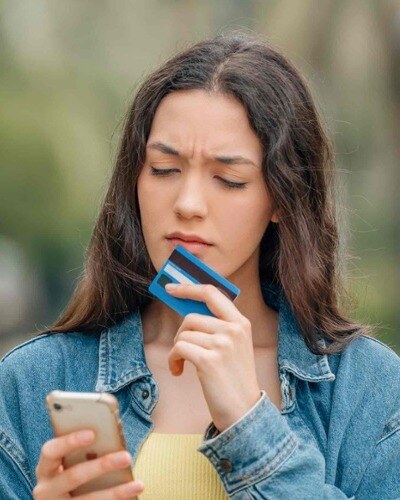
(277, 396)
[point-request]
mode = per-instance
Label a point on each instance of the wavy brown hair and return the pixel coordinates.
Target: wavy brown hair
(300, 254)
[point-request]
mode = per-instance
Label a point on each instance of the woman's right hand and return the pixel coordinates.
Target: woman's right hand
(55, 482)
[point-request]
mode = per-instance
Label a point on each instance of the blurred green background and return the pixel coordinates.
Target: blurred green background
(68, 71)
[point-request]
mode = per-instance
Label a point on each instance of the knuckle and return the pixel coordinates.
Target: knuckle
(233, 329)
(179, 344)
(180, 335)
(246, 324)
(247, 333)
(221, 342)
(38, 491)
(209, 358)
(47, 449)
(216, 358)
(204, 359)
(190, 317)
(183, 337)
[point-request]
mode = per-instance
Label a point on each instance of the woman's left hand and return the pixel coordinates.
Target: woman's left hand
(221, 348)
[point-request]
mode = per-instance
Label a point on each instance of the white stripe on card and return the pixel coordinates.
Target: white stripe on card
(177, 275)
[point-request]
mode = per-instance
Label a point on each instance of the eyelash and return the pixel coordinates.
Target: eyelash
(228, 184)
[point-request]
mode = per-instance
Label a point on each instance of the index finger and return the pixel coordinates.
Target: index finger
(216, 300)
(55, 449)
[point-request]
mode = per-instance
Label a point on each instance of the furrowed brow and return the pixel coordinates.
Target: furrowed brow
(227, 160)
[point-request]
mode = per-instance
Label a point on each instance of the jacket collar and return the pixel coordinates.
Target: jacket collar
(122, 358)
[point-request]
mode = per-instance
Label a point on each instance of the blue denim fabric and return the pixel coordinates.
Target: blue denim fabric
(336, 436)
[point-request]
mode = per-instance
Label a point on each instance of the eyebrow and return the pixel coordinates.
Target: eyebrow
(228, 160)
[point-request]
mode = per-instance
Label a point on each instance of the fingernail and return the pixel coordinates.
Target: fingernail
(121, 458)
(171, 286)
(85, 436)
(135, 487)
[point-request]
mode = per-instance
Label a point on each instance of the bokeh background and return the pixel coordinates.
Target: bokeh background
(68, 71)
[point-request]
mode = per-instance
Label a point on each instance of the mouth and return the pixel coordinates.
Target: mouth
(188, 238)
(192, 246)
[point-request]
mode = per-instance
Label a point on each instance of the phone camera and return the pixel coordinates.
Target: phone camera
(57, 406)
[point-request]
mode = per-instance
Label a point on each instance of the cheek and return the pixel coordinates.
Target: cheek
(245, 218)
(241, 234)
(147, 194)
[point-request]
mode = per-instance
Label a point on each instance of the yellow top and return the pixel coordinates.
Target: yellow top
(171, 468)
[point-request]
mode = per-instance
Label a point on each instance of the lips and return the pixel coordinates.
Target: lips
(189, 238)
(195, 247)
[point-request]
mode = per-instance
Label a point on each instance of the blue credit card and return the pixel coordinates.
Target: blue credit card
(183, 267)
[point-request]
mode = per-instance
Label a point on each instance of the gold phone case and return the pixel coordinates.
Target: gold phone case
(73, 411)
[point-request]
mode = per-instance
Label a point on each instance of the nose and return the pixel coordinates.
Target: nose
(190, 200)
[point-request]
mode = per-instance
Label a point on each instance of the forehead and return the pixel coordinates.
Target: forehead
(195, 119)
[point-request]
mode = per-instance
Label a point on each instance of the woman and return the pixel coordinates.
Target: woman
(281, 395)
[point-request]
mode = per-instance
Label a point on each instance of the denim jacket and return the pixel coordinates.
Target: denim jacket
(336, 436)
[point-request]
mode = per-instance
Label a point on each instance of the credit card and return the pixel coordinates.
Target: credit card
(184, 267)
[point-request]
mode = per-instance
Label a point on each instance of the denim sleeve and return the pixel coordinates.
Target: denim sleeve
(382, 479)
(259, 457)
(14, 475)
(16, 478)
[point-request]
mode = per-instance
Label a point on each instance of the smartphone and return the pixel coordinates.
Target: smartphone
(73, 411)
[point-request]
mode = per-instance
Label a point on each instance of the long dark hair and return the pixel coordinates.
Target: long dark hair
(300, 253)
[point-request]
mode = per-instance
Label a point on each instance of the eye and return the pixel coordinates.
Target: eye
(228, 184)
(233, 185)
(161, 171)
